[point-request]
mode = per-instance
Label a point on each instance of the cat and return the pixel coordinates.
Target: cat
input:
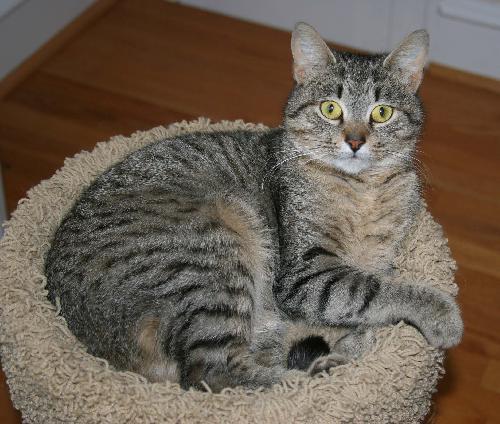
(229, 258)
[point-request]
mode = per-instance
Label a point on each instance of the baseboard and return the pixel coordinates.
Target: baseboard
(17, 75)
(475, 80)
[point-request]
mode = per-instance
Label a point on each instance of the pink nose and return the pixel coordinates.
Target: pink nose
(355, 145)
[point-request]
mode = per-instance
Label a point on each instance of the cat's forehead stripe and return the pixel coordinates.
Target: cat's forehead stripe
(340, 89)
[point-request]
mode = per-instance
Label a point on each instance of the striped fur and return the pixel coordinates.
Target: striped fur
(202, 259)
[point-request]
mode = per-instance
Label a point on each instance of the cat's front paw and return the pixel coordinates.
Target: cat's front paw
(440, 321)
(324, 363)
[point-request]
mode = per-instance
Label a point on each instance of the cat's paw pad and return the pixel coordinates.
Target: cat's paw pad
(324, 363)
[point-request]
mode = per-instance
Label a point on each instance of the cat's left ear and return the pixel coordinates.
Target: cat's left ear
(407, 61)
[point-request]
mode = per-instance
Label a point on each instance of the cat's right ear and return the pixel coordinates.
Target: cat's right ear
(311, 55)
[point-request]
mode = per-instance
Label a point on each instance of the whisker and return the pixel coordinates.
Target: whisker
(301, 153)
(417, 163)
(275, 167)
(319, 158)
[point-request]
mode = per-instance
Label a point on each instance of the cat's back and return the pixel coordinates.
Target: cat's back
(192, 168)
(165, 210)
(196, 164)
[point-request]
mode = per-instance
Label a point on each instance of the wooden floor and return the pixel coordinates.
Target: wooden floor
(148, 62)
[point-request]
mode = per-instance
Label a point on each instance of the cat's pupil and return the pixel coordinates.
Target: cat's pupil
(331, 108)
(382, 111)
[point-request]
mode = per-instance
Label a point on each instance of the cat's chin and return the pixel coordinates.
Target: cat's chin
(351, 166)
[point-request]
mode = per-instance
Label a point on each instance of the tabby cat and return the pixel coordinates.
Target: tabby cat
(198, 259)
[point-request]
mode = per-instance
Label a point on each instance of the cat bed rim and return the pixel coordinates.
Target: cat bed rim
(53, 379)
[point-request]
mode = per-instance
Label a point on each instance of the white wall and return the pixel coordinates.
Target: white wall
(358, 23)
(6, 6)
(464, 33)
(25, 25)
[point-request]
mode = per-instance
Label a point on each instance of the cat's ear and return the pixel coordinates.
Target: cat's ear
(407, 61)
(311, 55)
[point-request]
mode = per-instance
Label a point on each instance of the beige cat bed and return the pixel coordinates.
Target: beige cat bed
(53, 380)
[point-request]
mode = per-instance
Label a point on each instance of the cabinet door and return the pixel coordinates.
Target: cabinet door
(465, 34)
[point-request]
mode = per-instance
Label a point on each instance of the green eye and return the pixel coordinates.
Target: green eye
(331, 109)
(381, 113)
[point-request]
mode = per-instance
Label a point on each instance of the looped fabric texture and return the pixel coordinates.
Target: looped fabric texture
(52, 379)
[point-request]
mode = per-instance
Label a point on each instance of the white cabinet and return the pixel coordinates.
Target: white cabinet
(465, 34)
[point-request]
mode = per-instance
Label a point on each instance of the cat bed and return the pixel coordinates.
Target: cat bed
(53, 379)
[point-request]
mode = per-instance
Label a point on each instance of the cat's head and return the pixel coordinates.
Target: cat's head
(355, 112)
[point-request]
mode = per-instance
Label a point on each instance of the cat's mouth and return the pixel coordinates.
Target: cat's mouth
(346, 161)
(352, 164)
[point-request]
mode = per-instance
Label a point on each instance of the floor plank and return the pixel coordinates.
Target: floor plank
(149, 62)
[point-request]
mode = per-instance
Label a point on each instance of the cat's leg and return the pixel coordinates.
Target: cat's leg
(348, 348)
(206, 352)
(235, 366)
(319, 348)
(355, 343)
(334, 293)
(210, 337)
(217, 353)
(324, 363)
(215, 302)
